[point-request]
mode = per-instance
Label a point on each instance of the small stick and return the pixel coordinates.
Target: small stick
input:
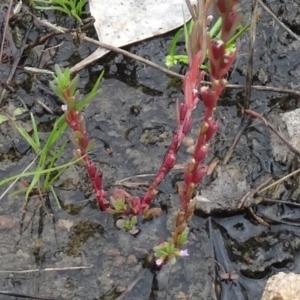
(18, 295)
(179, 76)
(129, 288)
(281, 201)
(121, 181)
(245, 119)
(264, 121)
(249, 75)
(252, 193)
(167, 71)
(290, 32)
(279, 181)
(257, 218)
(5, 29)
(15, 64)
(46, 270)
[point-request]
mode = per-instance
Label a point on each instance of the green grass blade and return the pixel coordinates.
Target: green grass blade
(175, 41)
(28, 138)
(35, 131)
(52, 8)
(95, 90)
(23, 190)
(240, 32)
(216, 28)
(186, 35)
(55, 196)
(59, 127)
(53, 159)
(60, 172)
(39, 172)
(33, 183)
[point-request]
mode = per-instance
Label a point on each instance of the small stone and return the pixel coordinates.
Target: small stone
(113, 252)
(119, 261)
(6, 222)
(181, 296)
(188, 141)
(282, 286)
(65, 224)
(132, 260)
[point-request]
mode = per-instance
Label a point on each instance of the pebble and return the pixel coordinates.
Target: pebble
(6, 222)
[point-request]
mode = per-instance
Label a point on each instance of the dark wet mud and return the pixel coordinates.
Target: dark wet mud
(76, 252)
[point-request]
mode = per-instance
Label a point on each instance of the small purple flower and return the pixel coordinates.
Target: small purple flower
(159, 262)
(183, 253)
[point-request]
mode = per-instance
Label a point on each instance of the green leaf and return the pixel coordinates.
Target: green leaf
(73, 84)
(19, 111)
(90, 145)
(91, 94)
(134, 220)
(3, 119)
(172, 260)
(183, 237)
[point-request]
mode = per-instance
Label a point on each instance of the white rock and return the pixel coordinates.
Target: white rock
(123, 22)
(292, 121)
(282, 286)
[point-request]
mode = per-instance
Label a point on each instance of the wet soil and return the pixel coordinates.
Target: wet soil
(76, 252)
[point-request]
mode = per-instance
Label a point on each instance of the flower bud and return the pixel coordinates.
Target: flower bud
(201, 153)
(187, 126)
(182, 112)
(170, 160)
(212, 128)
(200, 173)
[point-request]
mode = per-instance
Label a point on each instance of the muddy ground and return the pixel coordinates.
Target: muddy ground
(77, 252)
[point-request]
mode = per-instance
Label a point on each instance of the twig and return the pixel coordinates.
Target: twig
(260, 220)
(121, 181)
(46, 270)
(249, 75)
(162, 69)
(246, 120)
(179, 76)
(265, 89)
(280, 201)
(253, 193)
(264, 121)
(236, 139)
(15, 64)
(131, 185)
(18, 295)
(5, 29)
(133, 56)
(129, 288)
(278, 181)
(291, 33)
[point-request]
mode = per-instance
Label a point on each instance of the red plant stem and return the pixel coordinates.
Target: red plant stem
(80, 139)
(184, 111)
(221, 61)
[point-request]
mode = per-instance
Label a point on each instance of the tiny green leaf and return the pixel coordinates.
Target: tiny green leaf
(3, 118)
